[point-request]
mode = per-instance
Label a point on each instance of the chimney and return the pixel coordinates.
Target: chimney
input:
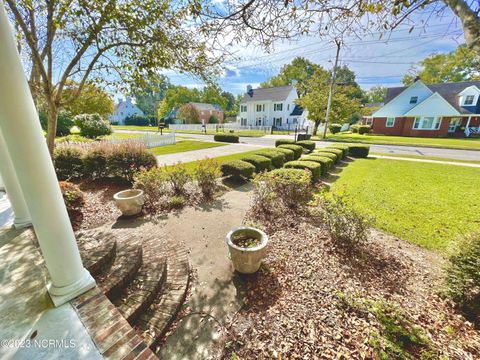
(249, 90)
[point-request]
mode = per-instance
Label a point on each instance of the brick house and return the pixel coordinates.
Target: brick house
(451, 109)
(205, 111)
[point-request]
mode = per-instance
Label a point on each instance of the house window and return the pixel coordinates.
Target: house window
(369, 121)
(288, 107)
(243, 108)
(277, 107)
(243, 122)
(277, 121)
(390, 122)
(427, 123)
(469, 100)
(413, 99)
(259, 108)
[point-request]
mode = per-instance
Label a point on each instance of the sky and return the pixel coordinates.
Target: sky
(375, 62)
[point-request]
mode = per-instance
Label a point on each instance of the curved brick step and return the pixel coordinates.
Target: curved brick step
(147, 283)
(97, 249)
(126, 264)
(154, 322)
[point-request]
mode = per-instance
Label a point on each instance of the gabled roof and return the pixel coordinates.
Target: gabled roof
(297, 111)
(449, 91)
(435, 105)
(277, 93)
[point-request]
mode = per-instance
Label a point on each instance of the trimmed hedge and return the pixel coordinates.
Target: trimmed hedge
(337, 152)
(301, 137)
(327, 154)
(325, 163)
(335, 128)
(297, 150)
(68, 162)
(289, 154)
(359, 150)
(343, 147)
(307, 145)
(364, 129)
(277, 157)
(313, 167)
(261, 163)
(284, 142)
(230, 138)
(238, 169)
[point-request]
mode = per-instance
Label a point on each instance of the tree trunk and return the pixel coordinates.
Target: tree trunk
(52, 125)
(315, 127)
(470, 22)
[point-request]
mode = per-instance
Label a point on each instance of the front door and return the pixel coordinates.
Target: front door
(453, 125)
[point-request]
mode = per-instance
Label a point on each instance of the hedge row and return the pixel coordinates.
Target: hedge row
(312, 166)
(305, 144)
(230, 138)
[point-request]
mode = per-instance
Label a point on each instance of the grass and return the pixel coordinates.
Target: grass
(182, 146)
(413, 156)
(452, 143)
(244, 133)
(424, 203)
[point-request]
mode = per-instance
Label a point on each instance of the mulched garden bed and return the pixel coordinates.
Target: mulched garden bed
(310, 301)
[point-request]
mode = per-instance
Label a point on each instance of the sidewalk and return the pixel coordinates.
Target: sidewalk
(6, 213)
(195, 155)
(425, 160)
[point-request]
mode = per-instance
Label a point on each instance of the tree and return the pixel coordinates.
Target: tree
(300, 69)
(230, 100)
(92, 99)
(463, 64)
(344, 103)
(212, 94)
(148, 97)
(176, 96)
(106, 41)
(376, 94)
(189, 114)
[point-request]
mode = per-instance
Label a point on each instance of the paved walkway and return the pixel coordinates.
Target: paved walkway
(188, 156)
(218, 290)
(426, 160)
(6, 213)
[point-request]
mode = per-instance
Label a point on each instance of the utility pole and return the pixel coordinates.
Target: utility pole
(332, 84)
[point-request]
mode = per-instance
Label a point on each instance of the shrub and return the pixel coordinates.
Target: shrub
(297, 150)
(337, 152)
(289, 154)
(347, 227)
(206, 174)
(238, 169)
(354, 129)
(463, 275)
(301, 137)
(127, 158)
(178, 176)
(73, 138)
(92, 125)
(277, 157)
(284, 142)
(359, 150)
(343, 147)
(68, 162)
(330, 155)
(307, 145)
(335, 128)
(325, 163)
(281, 191)
(177, 202)
(138, 120)
(74, 200)
(312, 167)
(64, 122)
(213, 119)
(154, 186)
(364, 129)
(261, 163)
(230, 138)
(95, 161)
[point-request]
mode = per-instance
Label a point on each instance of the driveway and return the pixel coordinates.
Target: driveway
(269, 141)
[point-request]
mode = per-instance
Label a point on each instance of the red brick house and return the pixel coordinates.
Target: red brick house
(451, 109)
(205, 111)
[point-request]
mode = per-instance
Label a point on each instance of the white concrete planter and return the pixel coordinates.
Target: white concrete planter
(129, 202)
(247, 260)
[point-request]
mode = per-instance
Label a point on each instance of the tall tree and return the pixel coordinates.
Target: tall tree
(230, 100)
(147, 97)
(376, 94)
(300, 69)
(212, 94)
(102, 40)
(189, 114)
(463, 64)
(176, 96)
(92, 99)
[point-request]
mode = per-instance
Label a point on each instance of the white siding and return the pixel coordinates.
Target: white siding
(435, 105)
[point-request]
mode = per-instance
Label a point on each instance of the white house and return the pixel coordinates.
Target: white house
(273, 106)
(123, 110)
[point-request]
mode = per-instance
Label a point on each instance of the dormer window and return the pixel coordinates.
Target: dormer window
(469, 100)
(413, 99)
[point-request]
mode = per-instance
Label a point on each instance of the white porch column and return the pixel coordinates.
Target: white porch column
(28, 150)
(467, 130)
(12, 187)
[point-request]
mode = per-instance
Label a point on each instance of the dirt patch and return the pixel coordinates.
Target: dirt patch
(309, 301)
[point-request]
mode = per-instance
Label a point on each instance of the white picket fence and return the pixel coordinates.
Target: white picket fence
(215, 127)
(149, 139)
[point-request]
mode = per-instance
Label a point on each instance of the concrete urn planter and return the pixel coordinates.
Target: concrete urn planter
(129, 202)
(247, 260)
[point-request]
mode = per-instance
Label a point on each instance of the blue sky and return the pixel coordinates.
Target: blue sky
(375, 62)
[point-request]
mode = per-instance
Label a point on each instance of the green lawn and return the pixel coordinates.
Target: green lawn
(426, 204)
(471, 143)
(186, 145)
(412, 156)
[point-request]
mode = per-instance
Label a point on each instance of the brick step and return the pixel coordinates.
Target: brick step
(125, 266)
(97, 248)
(147, 283)
(155, 321)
